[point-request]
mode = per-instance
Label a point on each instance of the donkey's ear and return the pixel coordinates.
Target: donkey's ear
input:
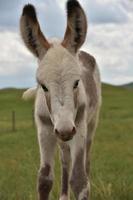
(31, 32)
(76, 26)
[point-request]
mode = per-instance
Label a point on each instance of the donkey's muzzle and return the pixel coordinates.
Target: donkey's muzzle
(65, 135)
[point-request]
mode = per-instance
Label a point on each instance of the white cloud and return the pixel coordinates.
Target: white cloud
(52, 18)
(106, 11)
(112, 45)
(110, 40)
(16, 63)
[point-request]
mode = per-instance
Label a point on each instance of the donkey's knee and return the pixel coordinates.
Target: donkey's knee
(45, 182)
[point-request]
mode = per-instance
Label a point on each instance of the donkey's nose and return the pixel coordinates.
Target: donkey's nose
(65, 135)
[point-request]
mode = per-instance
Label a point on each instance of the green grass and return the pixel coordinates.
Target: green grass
(112, 154)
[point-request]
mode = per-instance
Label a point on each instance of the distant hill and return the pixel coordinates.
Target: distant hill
(13, 89)
(105, 86)
(128, 85)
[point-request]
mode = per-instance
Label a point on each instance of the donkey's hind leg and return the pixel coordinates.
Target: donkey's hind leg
(65, 160)
(47, 142)
(90, 134)
(91, 130)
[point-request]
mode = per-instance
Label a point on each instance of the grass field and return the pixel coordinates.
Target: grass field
(112, 155)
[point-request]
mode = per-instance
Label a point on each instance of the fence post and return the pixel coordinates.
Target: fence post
(13, 121)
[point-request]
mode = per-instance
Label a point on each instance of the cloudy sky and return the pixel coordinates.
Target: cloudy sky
(109, 39)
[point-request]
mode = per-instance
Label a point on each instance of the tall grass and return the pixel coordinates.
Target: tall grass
(112, 154)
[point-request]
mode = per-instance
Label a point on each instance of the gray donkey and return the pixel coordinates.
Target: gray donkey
(68, 99)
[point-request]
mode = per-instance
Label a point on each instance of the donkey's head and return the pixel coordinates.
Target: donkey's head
(58, 73)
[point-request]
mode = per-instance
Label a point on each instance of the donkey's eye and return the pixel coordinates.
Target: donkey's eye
(76, 84)
(44, 88)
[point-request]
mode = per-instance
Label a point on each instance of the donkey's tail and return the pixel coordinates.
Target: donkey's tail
(29, 94)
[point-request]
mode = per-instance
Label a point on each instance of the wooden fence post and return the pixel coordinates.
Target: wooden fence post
(13, 121)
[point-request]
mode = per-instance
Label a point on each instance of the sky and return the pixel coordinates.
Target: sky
(109, 38)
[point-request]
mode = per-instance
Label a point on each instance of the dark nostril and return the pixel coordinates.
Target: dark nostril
(74, 130)
(57, 132)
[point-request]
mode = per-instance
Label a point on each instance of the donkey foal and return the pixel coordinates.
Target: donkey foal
(68, 98)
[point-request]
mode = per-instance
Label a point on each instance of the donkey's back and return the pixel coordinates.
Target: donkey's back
(92, 83)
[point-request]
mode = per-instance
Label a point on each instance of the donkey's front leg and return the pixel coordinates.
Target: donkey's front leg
(47, 142)
(65, 160)
(79, 180)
